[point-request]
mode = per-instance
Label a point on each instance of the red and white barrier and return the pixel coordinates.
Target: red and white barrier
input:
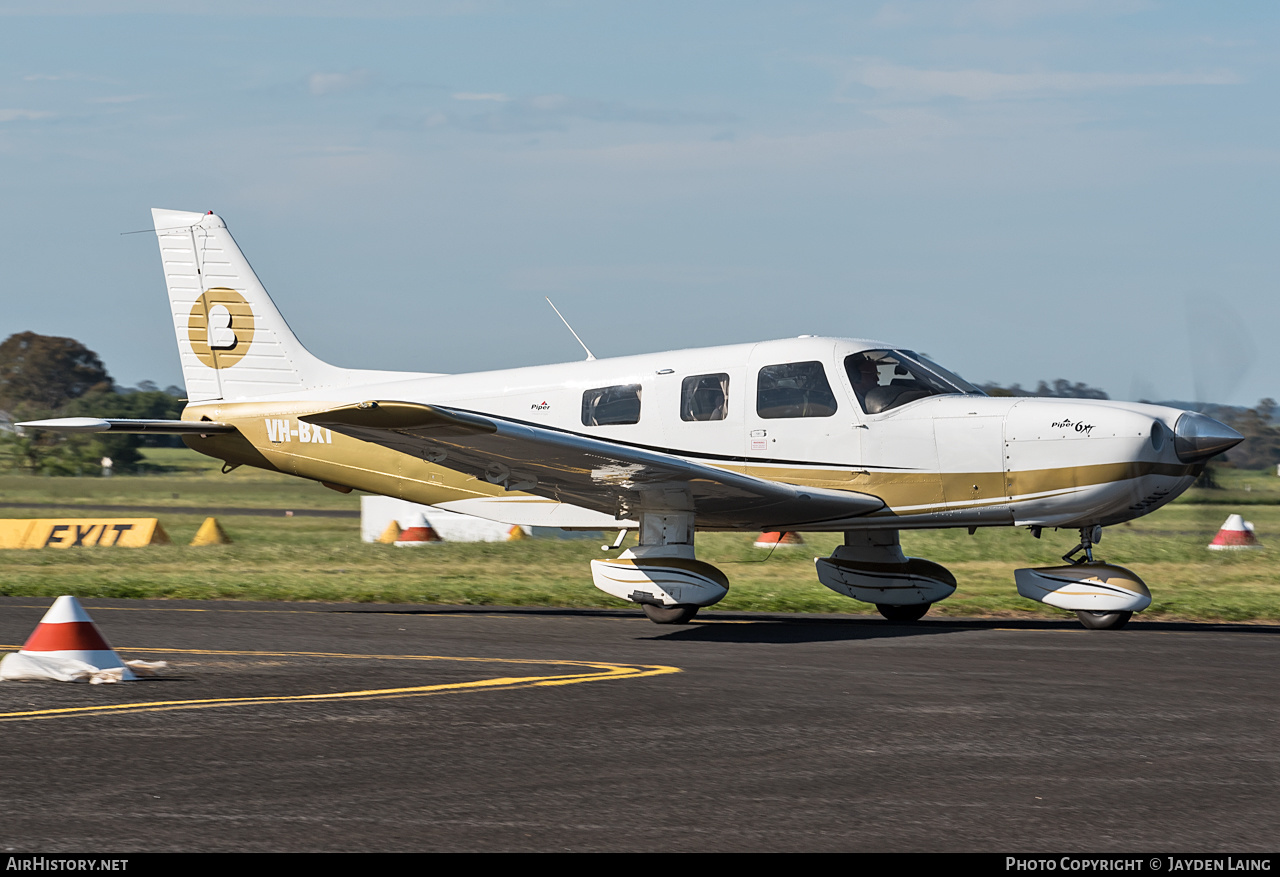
(1236, 533)
(66, 646)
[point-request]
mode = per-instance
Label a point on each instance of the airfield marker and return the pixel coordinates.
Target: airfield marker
(1235, 534)
(66, 646)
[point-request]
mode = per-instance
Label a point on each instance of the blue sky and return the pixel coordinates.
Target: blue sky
(1023, 190)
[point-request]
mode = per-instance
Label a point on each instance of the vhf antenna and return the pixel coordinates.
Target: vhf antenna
(591, 357)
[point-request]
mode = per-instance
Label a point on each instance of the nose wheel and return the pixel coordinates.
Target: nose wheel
(1103, 620)
(1106, 580)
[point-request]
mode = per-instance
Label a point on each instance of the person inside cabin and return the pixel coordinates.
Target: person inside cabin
(865, 376)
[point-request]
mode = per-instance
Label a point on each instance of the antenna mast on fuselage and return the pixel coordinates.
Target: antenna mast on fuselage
(590, 356)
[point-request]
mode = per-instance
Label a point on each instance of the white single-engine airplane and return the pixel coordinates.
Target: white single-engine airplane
(803, 434)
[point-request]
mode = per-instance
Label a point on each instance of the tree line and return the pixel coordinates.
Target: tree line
(43, 376)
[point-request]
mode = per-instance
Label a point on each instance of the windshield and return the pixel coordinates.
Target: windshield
(886, 379)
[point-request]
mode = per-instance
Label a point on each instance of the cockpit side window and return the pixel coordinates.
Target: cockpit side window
(794, 389)
(611, 405)
(704, 397)
(887, 379)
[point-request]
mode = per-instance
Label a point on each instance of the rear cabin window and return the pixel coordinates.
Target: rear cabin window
(704, 397)
(611, 405)
(794, 389)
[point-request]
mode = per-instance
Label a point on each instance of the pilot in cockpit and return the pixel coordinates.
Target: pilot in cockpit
(865, 376)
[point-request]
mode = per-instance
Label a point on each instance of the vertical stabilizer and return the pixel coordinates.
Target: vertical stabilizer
(233, 342)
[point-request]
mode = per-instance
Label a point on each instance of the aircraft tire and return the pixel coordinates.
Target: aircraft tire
(903, 613)
(1103, 620)
(681, 613)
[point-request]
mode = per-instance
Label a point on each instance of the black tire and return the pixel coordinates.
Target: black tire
(1103, 620)
(681, 613)
(914, 612)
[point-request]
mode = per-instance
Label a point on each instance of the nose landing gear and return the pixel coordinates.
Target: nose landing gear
(1103, 596)
(1089, 536)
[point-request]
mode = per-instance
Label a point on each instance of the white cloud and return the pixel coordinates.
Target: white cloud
(989, 85)
(331, 83)
(118, 99)
(554, 112)
(1001, 13)
(23, 115)
(481, 95)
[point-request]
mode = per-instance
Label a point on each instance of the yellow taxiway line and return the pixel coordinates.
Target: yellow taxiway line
(595, 671)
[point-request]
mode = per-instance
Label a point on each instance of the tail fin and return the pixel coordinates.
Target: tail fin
(233, 342)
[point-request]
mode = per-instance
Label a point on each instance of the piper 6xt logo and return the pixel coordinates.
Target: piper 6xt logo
(220, 327)
(281, 430)
(1067, 423)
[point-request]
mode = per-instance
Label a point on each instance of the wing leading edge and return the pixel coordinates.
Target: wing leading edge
(592, 473)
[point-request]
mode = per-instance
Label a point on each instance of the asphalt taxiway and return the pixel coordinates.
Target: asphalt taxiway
(292, 726)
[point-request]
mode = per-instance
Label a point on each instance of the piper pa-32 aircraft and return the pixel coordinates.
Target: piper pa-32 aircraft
(803, 434)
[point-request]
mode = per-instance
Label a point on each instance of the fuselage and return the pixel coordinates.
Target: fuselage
(936, 453)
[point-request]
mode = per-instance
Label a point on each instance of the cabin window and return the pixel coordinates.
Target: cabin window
(611, 405)
(794, 389)
(886, 379)
(704, 397)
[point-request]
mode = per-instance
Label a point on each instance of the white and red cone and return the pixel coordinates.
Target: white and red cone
(1236, 533)
(66, 646)
(418, 533)
(773, 540)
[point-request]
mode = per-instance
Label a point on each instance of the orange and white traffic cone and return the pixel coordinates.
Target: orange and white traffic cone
(1236, 533)
(773, 540)
(418, 533)
(66, 646)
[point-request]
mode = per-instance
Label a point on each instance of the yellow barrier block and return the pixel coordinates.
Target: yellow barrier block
(391, 534)
(81, 532)
(211, 533)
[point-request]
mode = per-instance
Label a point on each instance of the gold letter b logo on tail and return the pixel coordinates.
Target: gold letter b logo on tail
(220, 327)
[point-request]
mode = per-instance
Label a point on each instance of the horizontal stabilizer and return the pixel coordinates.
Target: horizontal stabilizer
(150, 427)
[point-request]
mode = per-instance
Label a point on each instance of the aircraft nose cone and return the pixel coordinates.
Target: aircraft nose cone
(1197, 437)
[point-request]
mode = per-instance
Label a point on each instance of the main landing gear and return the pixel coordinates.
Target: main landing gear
(871, 567)
(661, 573)
(903, 613)
(681, 613)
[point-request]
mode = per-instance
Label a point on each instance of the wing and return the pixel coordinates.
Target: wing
(120, 425)
(604, 476)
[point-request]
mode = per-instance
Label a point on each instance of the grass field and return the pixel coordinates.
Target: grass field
(306, 558)
(1238, 487)
(187, 479)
